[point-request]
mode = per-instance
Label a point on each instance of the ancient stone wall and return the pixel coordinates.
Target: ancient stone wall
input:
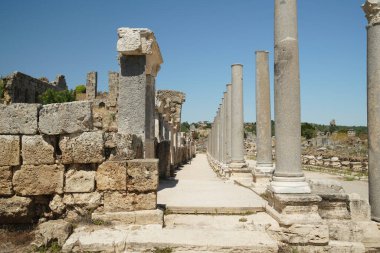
(21, 88)
(55, 163)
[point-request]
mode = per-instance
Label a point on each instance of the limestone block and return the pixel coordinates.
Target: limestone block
(56, 205)
(359, 208)
(122, 201)
(299, 234)
(39, 180)
(58, 230)
(112, 175)
(9, 150)
(6, 180)
(82, 148)
(65, 118)
(142, 217)
(87, 200)
(36, 150)
(334, 159)
(19, 118)
(79, 180)
(120, 146)
(142, 175)
(345, 247)
(16, 210)
(349, 231)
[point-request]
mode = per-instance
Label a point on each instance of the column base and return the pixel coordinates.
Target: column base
(264, 168)
(286, 185)
(377, 219)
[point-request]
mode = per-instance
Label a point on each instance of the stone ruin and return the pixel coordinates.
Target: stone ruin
(86, 159)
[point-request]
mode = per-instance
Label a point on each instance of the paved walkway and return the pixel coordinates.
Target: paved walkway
(196, 185)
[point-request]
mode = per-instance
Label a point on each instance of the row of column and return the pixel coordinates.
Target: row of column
(226, 139)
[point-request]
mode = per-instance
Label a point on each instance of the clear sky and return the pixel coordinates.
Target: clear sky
(199, 40)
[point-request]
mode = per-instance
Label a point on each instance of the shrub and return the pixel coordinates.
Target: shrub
(80, 89)
(1, 88)
(51, 96)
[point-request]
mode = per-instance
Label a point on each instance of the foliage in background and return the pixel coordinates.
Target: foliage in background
(51, 96)
(1, 88)
(185, 127)
(80, 89)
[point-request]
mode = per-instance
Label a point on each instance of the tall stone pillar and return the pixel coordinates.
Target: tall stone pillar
(221, 136)
(288, 176)
(372, 11)
(218, 157)
(225, 123)
(91, 85)
(150, 110)
(113, 87)
(139, 65)
(263, 116)
(237, 117)
(228, 123)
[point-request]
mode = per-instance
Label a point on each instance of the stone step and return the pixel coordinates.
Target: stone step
(150, 237)
(213, 210)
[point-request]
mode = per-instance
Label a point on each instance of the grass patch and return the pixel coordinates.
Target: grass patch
(163, 250)
(52, 247)
(349, 178)
(243, 219)
(100, 222)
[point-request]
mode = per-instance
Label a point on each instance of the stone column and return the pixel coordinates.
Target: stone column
(225, 123)
(237, 117)
(263, 117)
(288, 176)
(150, 101)
(91, 85)
(228, 123)
(139, 65)
(113, 86)
(372, 11)
(221, 136)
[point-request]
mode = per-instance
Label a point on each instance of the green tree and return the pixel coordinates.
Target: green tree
(80, 89)
(51, 96)
(1, 88)
(308, 130)
(185, 127)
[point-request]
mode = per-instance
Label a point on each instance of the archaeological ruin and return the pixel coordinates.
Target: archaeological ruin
(115, 172)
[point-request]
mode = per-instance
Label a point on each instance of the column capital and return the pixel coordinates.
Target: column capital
(372, 11)
(140, 41)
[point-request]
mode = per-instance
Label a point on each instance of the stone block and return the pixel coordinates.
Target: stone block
(79, 180)
(82, 148)
(120, 146)
(36, 150)
(49, 231)
(112, 175)
(304, 234)
(88, 200)
(142, 175)
(345, 230)
(123, 201)
(65, 118)
(142, 217)
(39, 180)
(5, 181)
(359, 208)
(16, 210)
(9, 150)
(19, 118)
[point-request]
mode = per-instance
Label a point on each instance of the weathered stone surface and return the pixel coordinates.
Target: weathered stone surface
(56, 205)
(65, 118)
(122, 146)
(86, 200)
(6, 180)
(299, 234)
(78, 180)
(91, 85)
(142, 217)
(112, 175)
(82, 148)
(19, 118)
(58, 230)
(342, 230)
(36, 150)
(16, 210)
(39, 179)
(122, 201)
(142, 175)
(9, 150)
(359, 208)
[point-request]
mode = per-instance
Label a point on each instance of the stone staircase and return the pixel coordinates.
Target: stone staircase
(180, 233)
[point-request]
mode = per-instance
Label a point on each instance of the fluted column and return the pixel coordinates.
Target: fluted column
(237, 127)
(288, 176)
(225, 122)
(372, 11)
(263, 116)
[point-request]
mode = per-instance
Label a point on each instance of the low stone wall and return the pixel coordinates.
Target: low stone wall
(55, 164)
(336, 163)
(21, 88)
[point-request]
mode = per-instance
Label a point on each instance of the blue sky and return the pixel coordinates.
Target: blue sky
(199, 40)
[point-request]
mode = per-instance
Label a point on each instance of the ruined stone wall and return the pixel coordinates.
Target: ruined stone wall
(21, 88)
(55, 163)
